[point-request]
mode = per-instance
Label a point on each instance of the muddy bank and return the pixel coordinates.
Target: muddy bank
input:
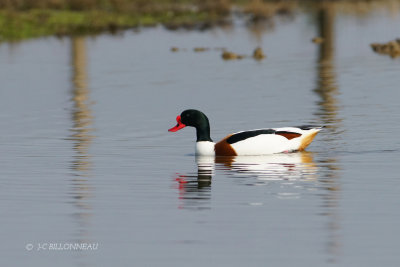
(391, 48)
(28, 19)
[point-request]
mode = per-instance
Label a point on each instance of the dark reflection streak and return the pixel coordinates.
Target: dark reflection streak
(328, 112)
(326, 81)
(195, 190)
(258, 28)
(81, 137)
(264, 16)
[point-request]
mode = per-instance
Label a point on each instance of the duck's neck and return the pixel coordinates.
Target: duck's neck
(204, 144)
(203, 130)
(203, 134)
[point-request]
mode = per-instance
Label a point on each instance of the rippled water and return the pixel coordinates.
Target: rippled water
(85, 154)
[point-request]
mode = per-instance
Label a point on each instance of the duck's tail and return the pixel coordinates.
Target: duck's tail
(310, 132)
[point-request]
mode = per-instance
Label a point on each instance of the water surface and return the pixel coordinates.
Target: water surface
(86, 156)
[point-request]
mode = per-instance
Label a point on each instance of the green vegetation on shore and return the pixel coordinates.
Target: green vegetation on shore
(22, 19)
(36, 22)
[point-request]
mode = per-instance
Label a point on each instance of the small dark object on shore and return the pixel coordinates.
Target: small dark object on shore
(391, 48)
(229, 55)
(258, 54)
(226, 55)
(174, 49)
(200, 49)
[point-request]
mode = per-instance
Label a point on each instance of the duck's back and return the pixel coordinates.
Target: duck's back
(266, 141)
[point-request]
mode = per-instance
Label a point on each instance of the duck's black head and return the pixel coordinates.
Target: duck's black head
(196, 119)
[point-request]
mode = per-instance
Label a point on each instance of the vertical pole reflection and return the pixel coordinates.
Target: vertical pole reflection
(81, 115)
(81, 135)
(328, 112)
(326, 82)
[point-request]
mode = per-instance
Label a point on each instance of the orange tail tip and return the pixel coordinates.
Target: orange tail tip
(307, 139)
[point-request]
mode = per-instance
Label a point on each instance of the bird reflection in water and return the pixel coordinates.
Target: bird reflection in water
(195, 189)
(282, 166)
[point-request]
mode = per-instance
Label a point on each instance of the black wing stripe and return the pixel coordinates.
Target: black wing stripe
(248, 134)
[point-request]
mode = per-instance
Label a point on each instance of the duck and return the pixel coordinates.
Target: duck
(245, 143)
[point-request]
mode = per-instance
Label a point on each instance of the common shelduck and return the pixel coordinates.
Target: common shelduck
(253, 142)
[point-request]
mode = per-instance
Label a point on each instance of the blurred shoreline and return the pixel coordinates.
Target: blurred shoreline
(24, 19)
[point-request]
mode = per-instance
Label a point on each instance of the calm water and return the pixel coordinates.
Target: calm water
(85, 154)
